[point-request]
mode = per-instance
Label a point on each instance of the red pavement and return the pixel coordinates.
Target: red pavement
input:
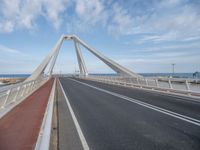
(19, 129)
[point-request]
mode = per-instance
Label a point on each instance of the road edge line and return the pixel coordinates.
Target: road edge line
(158, 109)
(78, 128)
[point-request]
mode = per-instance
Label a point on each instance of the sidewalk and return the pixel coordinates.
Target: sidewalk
(19, 129)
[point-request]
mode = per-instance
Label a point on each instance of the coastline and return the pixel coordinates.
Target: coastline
(177, 75)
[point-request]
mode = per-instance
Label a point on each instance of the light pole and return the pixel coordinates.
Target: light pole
(173, 65)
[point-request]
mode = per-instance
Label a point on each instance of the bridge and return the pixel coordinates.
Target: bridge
(124, 111)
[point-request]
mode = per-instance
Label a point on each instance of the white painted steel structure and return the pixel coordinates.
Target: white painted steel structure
(124, 76)
(51, 58)
(43, 140)
(179, 87)
(12, 95)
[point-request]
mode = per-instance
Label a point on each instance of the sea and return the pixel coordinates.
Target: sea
(177, 75)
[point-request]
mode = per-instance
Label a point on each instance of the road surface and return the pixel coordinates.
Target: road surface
(116, 118)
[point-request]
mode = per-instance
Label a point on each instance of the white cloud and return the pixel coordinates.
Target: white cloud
(88, 15)
(171, 20)
(89, 11)
(24, 13)
(161, 62)
(167, 53)
(6, 49)
(159, 20)
(121, 22)
(6, 26)
(54, 9)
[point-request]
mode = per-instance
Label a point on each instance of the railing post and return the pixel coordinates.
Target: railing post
(146, 82)
(187, 85)
(28, 87)
(137, 81)
(33, 85)
(157, 85)
(131, 82)
(24, 88)
(140, 83)
(8, 94)
(31, 88)
(16, 94)
(170, 84)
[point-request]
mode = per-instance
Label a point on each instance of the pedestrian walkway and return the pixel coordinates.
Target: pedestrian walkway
(19, 128)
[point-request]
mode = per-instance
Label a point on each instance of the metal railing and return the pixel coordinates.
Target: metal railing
(14, 93)
(43, 141)
(167, 85)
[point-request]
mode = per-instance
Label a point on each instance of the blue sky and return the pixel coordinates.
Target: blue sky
(142, 35)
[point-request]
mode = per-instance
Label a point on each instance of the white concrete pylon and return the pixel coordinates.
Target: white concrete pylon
(40, 69)
(83, 71)
(53, 63)
(81, 63)
(115, 66)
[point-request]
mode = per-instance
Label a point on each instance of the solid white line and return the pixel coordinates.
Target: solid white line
(178, 96)
(162, 110)
(78, 128)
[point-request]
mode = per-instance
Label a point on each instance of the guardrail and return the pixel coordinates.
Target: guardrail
(14, 93)
(43, 141)
(169, 85)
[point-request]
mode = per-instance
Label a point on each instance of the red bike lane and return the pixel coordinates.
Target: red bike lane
(20, 127)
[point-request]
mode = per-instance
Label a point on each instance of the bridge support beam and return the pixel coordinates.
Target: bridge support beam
(122, 71)
(81, 63)
(53, 63)
(40, 69)
(115, 66)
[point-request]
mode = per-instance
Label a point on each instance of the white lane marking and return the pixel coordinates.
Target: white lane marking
(78, 128)
(179, 97)
(162, 110)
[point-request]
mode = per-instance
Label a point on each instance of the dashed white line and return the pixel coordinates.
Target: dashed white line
(78, 128)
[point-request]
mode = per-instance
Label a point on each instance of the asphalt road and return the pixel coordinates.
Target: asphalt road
(68, 138)
(115, 118)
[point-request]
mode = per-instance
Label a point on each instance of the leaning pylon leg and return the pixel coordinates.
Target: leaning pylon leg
(81, 63)
(115, 66)
(53, 63)
(83, 71)
(40, 69)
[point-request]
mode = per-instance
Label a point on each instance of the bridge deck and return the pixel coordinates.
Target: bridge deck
(19, 129)
(111, 121)
(67, 134)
